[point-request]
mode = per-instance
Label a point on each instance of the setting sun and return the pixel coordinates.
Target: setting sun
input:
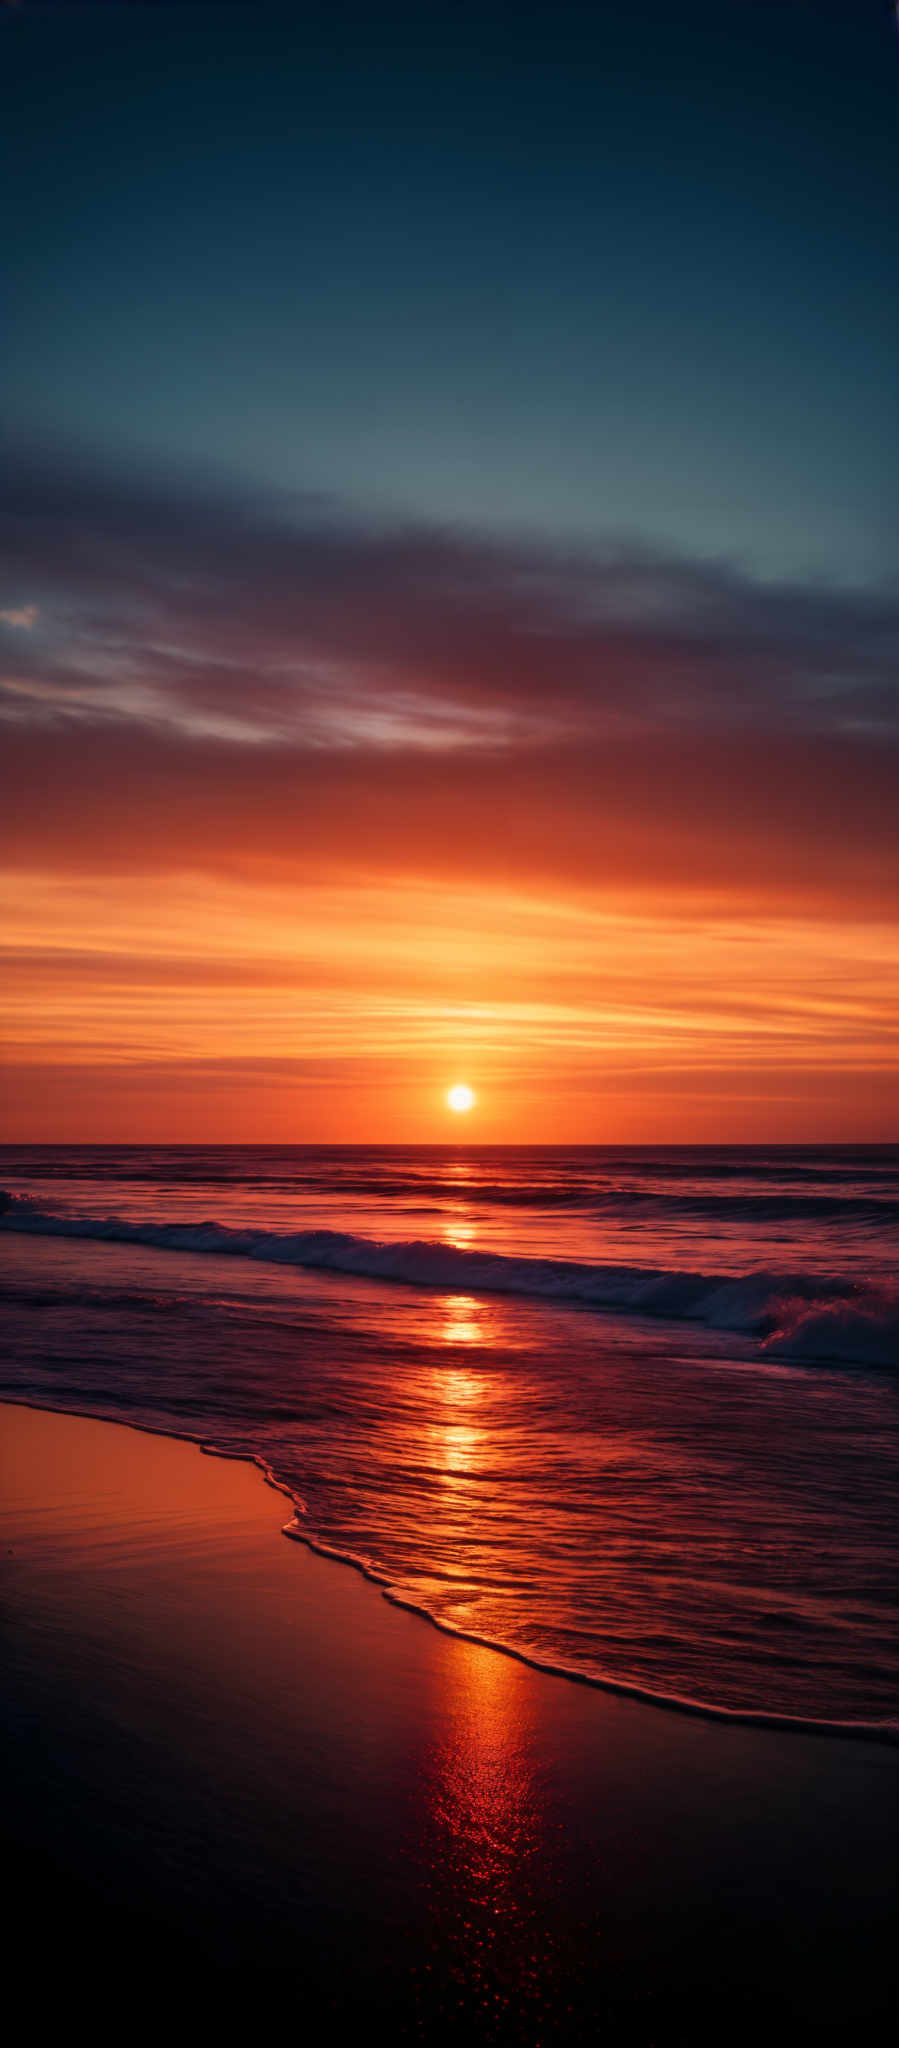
(460, 1098)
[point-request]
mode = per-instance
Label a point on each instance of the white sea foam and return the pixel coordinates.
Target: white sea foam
(804, 1317)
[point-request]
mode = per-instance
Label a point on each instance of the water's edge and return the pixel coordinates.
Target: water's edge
(882, 1732)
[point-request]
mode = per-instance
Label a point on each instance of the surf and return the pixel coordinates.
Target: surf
(815, 1317)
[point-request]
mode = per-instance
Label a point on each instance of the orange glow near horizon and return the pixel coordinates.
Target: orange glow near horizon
(221, 1008)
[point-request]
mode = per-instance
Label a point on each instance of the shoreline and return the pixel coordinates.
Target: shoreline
(253, 1777)
(879, 1732)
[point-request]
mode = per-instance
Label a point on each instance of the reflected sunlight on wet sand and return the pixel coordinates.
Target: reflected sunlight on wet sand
(247, 1763)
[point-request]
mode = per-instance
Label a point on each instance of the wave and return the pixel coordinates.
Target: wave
(818, 1317)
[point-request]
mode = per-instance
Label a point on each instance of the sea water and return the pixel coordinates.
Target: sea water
(631, 1414)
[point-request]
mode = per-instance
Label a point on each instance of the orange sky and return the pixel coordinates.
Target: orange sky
(303, 820)
(204, 1008)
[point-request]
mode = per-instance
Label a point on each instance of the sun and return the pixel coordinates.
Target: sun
(461, 1098)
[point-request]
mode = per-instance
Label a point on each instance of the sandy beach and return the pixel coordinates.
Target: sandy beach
(234, 1769)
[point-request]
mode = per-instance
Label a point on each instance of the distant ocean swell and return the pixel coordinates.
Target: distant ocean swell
(595, 1194)
(816, 1317)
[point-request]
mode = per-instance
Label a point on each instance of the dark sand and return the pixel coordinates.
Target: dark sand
(234, 1773)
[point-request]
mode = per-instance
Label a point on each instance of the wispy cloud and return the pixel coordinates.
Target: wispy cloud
(299, 807)
(222, 681)
(309, 623)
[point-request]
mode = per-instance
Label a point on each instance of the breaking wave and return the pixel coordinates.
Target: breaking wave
(814, 1317)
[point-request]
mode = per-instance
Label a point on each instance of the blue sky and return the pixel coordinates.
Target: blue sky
(587, 271)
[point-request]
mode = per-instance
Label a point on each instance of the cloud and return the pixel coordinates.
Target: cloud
(24, 616)
(203, 592)
(281, 685)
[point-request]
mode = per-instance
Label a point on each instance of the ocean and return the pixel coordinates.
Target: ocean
(630, 1414)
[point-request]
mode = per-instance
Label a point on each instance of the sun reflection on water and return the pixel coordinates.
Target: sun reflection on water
(457, 1436)
(463, 1321)
(457, 1230)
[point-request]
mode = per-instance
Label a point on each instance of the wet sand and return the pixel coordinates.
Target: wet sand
(233, 1772)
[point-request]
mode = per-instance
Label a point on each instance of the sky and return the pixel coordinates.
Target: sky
(449, 606)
